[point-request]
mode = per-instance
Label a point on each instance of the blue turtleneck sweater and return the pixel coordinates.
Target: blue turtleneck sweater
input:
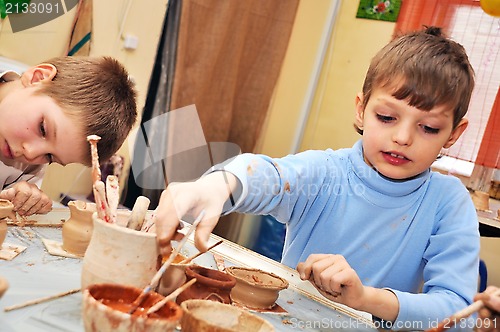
(406, 236)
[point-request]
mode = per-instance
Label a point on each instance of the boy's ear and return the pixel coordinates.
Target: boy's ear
(456, 133)
(39, 73)
(360, 110)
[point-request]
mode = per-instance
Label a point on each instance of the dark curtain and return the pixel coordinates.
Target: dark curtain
(157, 102)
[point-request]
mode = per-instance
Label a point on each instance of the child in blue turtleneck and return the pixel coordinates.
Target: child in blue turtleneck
(370, 226)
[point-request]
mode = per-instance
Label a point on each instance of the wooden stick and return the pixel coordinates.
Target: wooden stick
(102, 206)
(96, 170)
(41, 300)
(112, 195)
(189, 259)
(156, 278)
(170, 297)
(136, 219)
(459, 315)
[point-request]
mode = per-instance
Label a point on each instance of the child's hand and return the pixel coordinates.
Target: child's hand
(334, 278)
(27, 198)
(180, 199)
(489, 314)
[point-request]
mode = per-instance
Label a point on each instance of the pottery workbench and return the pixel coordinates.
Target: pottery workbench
(35, 273)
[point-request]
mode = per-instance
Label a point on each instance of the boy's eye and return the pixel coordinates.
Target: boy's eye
(430, 130)
(42, 128)
(385, 118)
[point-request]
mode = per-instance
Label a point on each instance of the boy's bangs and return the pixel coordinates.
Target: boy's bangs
(424, 94)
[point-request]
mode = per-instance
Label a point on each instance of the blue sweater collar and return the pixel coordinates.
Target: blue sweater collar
(381, 184)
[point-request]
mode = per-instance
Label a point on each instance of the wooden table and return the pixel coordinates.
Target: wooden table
(35, 273)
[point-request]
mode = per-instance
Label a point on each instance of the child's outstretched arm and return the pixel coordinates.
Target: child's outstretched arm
(208, 193)
(336, 280)
(27, 198)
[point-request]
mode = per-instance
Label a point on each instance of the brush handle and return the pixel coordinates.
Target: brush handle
(170, 297)
(189, 259)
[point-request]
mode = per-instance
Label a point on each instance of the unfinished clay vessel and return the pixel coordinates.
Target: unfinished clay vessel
(174, 276)
(6, 208)
(210, 285)
(210, 316)
(119, 255)
(255, 288)
(106, 306)
(77, 230)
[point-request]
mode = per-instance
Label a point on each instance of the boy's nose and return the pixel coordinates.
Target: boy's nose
(33, 153)
(402, 135)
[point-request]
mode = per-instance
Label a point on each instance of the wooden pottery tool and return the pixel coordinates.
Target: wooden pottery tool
(138, 214)
(112, 195)
(170, 297)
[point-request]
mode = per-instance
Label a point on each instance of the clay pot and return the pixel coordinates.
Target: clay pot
(6, 208)
(255, 288)
(4, 285)
(174, 276)
(210, 316)
(77, 230)
(119, 255)
(106, 306)
(481, 200)
(210, 285)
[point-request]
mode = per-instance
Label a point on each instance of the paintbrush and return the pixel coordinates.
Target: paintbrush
(459, 315)
(156, 278)
(189, 259)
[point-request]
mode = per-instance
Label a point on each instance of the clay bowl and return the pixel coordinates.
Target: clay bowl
(255, 289)
(6, 208)
(105, 308)
(4, 285)
(210, 284)
(211, 316)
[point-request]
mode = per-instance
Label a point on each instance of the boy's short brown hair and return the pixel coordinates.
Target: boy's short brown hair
(98, 94)
(426, 69)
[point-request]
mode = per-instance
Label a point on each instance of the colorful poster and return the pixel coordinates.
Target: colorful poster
(387, 10)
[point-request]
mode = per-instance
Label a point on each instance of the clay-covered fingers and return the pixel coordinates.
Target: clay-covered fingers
(187, 200)
(203, 231)
(28, 199)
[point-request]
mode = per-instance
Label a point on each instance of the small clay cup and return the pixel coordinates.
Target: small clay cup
(210, 316)
(6, 208)
(210, 285)
(106, 306)
(4, 285)
(255, 289)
